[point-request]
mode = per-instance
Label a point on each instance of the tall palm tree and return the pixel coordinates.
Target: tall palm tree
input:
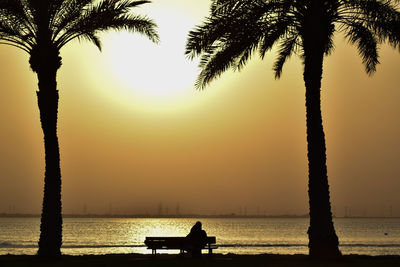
(41, 28)
(236, 29)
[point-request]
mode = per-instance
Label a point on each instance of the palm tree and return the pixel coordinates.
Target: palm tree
(41, 28)
(236, 29)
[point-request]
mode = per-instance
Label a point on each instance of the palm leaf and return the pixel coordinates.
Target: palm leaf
(366, 44)
(287, 47)
(108, 15)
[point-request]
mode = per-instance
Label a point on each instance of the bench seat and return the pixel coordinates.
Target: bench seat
(155, 243)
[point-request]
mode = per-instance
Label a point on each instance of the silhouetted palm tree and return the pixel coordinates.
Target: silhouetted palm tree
(236, 29)
(41, 28)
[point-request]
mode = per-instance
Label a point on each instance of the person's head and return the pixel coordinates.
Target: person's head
(197, 225)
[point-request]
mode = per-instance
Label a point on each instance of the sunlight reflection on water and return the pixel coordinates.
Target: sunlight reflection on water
(242, 236)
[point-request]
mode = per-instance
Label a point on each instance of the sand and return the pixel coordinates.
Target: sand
(164, 260)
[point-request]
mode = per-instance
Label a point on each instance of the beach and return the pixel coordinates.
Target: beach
(217, 260)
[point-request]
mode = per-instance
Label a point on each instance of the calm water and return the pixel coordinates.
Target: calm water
(244, 236)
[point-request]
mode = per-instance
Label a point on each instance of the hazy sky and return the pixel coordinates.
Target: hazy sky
(134, 132)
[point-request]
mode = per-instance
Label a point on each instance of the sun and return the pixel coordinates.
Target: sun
(155, 71)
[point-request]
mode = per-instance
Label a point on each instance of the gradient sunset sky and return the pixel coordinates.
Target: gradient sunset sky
(134, 132)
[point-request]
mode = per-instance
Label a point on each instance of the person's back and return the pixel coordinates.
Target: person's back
(196, 239)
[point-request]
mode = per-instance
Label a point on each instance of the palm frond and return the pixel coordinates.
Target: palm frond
(227, 53)
(380, 16)
(287, 47)
(202, 37)
(224, 7)
(234, 31)
(105, 16)
(91, 38)
(274, 31)
(218, 41)
(36, 26)
(15, 27)
(16, 15)
(54, 7)
(67, 15)
(366, 44)
(213, 63)
(91, 27)
(237, 19)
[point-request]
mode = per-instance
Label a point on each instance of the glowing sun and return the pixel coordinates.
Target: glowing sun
(153, 70)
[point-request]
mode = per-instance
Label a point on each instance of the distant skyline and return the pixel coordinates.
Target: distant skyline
(135, 133)
(239, 211)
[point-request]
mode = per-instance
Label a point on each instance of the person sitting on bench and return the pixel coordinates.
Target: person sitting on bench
(196, 240)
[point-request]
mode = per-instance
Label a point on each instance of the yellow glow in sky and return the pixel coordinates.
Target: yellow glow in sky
(153, 77)
(134, 132)
(151, 70)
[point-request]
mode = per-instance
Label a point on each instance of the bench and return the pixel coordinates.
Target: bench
(155, 243)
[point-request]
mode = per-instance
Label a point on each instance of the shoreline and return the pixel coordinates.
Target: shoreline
(217, 260)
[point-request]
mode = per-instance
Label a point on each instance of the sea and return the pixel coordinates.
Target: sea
(82, 236)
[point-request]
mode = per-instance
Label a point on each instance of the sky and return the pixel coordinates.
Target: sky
(135, 133)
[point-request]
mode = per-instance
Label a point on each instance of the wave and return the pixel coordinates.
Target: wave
(104, 246)
(259, 245)
(12, 245)
(371, 245)
(305, 245)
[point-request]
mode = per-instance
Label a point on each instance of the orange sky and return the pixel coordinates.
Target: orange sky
(134, 143)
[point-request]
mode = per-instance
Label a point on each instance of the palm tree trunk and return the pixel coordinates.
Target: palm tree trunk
(323, 241)
(51, 220)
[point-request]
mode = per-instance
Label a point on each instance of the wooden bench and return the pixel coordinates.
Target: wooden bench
(155, 243)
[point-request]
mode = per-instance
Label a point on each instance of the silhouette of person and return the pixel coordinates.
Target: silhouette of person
(196, 240)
